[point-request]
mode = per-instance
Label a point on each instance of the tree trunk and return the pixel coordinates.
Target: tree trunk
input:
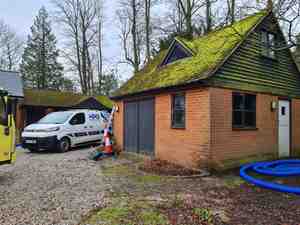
(208, 16)
(188, 19)
(43, 54)
(232, 12)
(100, 54)
(134, 36)
(84, 53)
(9, 57)
(147, 22)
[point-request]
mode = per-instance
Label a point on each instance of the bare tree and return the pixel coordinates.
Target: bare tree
(100, 21)
(231, 6)
(189, 8)
(131, 28)
(148, 27)
(80, 28)
(208, 16)
(11, 48)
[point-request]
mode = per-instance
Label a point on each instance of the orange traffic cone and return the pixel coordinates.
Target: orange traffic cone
(108, 149)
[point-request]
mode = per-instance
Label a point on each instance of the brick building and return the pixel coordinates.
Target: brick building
(215, 101)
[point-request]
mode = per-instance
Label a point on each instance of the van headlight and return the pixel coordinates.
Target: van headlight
(52, 129)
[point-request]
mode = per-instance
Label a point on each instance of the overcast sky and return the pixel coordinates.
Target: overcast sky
(19, 14)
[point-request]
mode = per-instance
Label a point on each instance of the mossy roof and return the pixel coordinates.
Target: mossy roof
(209, 52)
(59, 99)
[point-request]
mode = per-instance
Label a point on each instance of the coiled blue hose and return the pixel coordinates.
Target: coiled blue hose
(279, 168)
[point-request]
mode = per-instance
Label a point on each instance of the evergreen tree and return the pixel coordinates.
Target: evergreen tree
(40, 68)
(109, 83)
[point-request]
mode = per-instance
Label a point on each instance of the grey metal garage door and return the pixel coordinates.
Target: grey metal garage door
(139, 126)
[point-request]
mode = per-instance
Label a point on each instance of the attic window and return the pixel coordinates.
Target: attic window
(268, 44)
(176, 52)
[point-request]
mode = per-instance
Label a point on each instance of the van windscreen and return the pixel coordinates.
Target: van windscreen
(55, 118)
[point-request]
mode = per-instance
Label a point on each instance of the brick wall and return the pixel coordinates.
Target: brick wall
(190, 146)
(208, 139)
(296, 127)
(118, 125)
(233, 145)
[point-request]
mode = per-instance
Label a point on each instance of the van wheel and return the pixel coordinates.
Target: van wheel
(64, 145)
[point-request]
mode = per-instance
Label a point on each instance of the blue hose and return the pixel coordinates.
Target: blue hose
(279, 168)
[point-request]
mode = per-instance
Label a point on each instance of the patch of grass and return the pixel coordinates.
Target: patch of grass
(112, 216)
(127, 211)
(178, 201)
(148, 179)
(152, 217)
(204, 214)
(118, 170)
(131, 173)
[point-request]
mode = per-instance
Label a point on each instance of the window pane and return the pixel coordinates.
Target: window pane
(250, 118)
(177, 54)
(271, 40)
(237, 119)
(268, 42)
(2, 109)
(238, 101)
(250, 102)
(78, 119)
(178, 111)
(264, 37)
(179, 102)
(178, 119)
(2, 105)
(283, 111)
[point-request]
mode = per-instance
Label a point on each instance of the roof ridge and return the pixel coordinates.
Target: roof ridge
(221, 28)
(57, 91)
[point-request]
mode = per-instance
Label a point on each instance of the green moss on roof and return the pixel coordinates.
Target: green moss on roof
(59, 99)
(208, 52)
(105, 101)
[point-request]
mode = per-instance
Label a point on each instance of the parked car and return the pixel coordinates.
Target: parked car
(64, 130)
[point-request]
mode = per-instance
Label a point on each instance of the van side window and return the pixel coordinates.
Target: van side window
(78, 119)
(2, 110)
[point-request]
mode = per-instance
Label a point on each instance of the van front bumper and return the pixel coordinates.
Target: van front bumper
(37, 143)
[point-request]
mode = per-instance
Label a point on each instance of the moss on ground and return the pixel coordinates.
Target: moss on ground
(204, 214)
(128, 211)
(131, 173)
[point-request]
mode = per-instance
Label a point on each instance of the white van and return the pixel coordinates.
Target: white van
(64, 130)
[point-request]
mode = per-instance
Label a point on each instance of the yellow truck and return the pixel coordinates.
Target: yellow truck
(7, 130)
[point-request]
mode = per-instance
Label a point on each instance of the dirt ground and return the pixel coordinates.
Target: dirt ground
(142, 198)
(60, 189)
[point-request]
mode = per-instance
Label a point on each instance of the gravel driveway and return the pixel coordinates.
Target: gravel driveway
(49, 188)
